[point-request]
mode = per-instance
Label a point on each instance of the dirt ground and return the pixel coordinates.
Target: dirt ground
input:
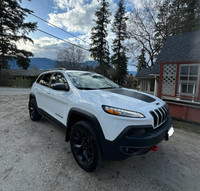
(34, 156)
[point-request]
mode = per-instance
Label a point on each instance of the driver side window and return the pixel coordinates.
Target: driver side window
(58, 78)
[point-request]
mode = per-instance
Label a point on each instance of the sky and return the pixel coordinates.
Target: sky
(74, 16)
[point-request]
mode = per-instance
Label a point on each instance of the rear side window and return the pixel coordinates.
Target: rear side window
(44, 79)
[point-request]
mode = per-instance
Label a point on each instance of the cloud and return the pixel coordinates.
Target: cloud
(43, 47)
(78, 15)
(69, 4)
(74, 16)
(134, 3)
(48, 47)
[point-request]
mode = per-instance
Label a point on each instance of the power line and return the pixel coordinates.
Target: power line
(59, 28)
(62, 39)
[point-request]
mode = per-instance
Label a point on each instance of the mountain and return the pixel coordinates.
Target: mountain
(42, 63)
(132, 72)
(91, 63)
(46, 63)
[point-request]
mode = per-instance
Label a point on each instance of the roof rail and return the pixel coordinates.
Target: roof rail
(56, 69)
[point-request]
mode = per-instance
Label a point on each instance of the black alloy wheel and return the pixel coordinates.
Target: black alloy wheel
(85, 146)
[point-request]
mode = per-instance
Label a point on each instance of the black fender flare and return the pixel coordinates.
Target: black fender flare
(31, 96)
(84, 115)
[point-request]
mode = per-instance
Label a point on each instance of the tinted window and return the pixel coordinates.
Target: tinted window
(58, 78)
(44, 80)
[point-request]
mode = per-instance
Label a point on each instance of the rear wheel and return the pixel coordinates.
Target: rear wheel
(85, 147)
(33, 112)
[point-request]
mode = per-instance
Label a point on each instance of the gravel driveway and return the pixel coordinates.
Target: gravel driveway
(34, 156)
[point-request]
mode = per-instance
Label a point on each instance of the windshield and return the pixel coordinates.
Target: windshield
(90, 81)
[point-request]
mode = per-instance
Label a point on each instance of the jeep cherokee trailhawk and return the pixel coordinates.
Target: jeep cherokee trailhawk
(101, 118)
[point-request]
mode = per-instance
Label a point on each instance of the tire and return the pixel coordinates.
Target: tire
(33, 111)
(85, 146)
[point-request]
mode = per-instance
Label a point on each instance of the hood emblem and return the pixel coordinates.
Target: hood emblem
(157, 103)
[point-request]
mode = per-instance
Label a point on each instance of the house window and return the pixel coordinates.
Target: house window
(188, 79)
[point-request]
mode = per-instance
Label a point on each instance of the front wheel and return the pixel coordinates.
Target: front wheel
(85, 146)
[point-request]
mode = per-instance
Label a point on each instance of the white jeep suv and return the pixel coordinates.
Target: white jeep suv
(101, 118)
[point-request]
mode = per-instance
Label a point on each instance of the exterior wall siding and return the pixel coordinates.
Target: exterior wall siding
(184, 112)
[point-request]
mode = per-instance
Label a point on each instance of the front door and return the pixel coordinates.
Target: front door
(58, 99)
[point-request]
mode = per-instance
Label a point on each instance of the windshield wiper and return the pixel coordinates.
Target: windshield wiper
(82, 88)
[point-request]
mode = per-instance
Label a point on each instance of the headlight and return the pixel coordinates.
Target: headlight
(122, 112)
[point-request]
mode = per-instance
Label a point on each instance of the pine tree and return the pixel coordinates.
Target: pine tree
(176, 17)
(191, 14)
(119, 58)
(13, 28)
(23, 62)
(141, 60)
(99, 47)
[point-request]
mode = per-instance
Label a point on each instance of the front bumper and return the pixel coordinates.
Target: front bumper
(136, 140)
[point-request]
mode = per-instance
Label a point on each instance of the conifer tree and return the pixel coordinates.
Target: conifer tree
(141, 60)
(99, 47)
(177, 17)
(119, 58)
(13, 28)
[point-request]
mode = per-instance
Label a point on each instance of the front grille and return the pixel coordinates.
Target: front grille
(160, 115)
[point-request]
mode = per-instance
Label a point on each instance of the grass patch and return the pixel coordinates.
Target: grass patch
(187, 126)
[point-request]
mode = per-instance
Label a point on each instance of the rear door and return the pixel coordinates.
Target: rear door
(43, 92)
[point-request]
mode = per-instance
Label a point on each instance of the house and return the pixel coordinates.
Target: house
(149, 79)
(177, 71)
(18, 77)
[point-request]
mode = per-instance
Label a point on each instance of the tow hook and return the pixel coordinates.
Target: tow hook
(154, 148)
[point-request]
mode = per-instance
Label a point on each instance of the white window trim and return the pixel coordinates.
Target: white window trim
(179, 81)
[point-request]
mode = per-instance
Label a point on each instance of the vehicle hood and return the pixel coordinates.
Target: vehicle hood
(123, 98)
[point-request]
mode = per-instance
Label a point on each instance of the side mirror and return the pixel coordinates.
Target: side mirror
(60, 86)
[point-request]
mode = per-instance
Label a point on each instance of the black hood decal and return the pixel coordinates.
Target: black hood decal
(129, 93)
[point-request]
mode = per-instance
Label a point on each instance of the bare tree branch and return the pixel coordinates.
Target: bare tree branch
(141, 29)
(70, 58)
